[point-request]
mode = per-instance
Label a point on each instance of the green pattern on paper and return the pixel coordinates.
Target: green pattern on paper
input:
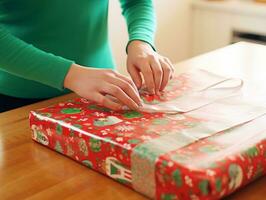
(87, 163)
(59, 129)
(204, 187)
(218, 185)
(125, 152)
(160, 121)
(71, 134)
(177, 178)
(95, 144)
(77, 126)
(40, 136)
(252, 152)
(165, 163)
(132, 114)
(168, 197)
(133, 141)
(113, 169)
(58, 147)
(71, 110)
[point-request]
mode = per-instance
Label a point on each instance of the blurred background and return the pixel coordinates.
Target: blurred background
(186, 28)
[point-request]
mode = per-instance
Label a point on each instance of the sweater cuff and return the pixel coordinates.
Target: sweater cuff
(59, 70)
(143, 39)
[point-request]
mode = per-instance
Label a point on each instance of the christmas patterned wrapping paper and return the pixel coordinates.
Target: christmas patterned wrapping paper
(206, 153)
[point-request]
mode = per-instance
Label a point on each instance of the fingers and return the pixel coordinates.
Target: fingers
(127, 87)
(157, 74)
(106, 102)
(148, 76)
(167, 73)
(171, 66)
(135, 75)
(129, 81)
(117, 92)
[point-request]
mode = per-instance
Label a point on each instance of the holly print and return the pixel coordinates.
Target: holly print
(177, 178)
(132, 114)
(71, 110)
(204, 187)
(95, 145)
(252, 152)
(218, 184)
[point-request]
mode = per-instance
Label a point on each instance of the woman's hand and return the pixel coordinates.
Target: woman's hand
(94, 84)
(155, 69)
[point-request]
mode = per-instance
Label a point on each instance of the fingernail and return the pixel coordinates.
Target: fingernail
(140, 104)
(124, 108)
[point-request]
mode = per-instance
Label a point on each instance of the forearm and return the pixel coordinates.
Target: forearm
(26, 61)
(140, 18)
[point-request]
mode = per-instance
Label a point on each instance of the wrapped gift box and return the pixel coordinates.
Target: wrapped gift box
(204, 154)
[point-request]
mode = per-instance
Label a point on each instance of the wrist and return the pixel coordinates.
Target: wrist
(70, 77)
(137, 44)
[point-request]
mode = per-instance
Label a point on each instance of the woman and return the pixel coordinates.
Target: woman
(50, 47)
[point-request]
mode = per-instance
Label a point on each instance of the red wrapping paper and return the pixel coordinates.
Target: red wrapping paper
(117, 145)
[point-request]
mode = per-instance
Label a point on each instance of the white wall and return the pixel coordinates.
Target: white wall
(173, 30)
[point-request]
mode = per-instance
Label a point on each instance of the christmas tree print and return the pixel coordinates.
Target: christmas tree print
(58, 147)
(59, 129)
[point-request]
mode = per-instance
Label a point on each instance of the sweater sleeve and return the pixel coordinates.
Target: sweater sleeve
(140, 18)
(26, 61)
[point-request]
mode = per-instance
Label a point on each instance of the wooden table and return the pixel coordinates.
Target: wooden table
(29, 170)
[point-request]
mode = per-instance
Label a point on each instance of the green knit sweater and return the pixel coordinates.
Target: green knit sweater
(39, 40)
